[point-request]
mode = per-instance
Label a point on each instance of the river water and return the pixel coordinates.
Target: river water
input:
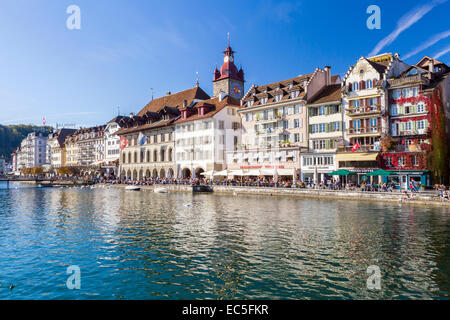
(142, 245)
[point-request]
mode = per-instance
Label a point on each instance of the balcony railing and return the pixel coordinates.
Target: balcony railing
(364, 130)
(410, 79)
(409, 133)
(352, 111)
(364, 148)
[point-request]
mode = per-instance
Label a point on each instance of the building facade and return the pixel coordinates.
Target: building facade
(155, 157)
(410, 100)
(56, 147)
(86, 148)
(33, 151)
(365, 101)
(204, 133)
(325, 134)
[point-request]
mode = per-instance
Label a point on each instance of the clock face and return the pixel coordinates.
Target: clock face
(236, 89)
(225, 59)
(231, 59)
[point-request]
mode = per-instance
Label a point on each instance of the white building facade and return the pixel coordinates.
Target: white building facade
(204, 134)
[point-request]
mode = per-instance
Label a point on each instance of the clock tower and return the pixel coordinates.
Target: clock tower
(228, 79)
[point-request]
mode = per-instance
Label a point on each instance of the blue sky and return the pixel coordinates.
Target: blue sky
(125, 48)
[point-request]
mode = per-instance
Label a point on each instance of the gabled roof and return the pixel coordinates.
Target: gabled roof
(214, 105)
(331, 93)
(175, 100)
(275, 88)
(381, 63)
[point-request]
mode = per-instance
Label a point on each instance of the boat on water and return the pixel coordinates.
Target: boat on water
(132, 188)
(201, 189)
(160, 190)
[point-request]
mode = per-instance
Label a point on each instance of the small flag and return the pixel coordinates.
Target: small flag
(123, 143)
(141, 139)
(43, 121)
(355, 147)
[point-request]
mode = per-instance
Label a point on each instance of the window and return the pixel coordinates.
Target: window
(285, 124)
(394, 110)
(421, 124)
(420, 108)
(278, 97)
(401, 161)
(322, 127)
(336, 126)
(263, 100)
(321, 110)
(373, 122)
(357, 124)
(415, 161)
(355, 86)
(388, 161)
(297, 108)
(356, 103)
(250, 103)
(296, 137)
(369, 84)
(222, 124)
(408, 125)
(295, 94)
(296, 123)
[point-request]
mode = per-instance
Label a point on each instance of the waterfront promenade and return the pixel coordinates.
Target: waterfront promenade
(422, 198)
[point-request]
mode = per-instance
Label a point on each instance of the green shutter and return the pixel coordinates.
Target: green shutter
(310, 128)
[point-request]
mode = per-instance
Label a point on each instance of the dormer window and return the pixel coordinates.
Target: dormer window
(250, 103)
(278, 97)
(263, 100)
(295, 94)
(290, 86)
(201, 111)
(184, 114)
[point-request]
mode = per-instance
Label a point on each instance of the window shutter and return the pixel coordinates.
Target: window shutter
(350, 103)
(310, 128)
(351, 124)
(350, 87)
(378, 100)
(374, 81)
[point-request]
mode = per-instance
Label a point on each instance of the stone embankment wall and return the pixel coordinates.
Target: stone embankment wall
(428, 198)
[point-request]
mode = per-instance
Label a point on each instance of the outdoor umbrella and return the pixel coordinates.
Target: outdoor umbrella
(341, 172)
(381, 172)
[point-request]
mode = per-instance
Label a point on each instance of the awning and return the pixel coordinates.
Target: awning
(357, 156)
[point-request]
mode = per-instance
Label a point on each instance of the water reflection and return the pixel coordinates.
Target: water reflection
(141, 245)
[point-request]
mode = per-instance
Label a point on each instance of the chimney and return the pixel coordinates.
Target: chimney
(184, 103)
(131, 115)
(168, 93)
(431, 66)
(328, 75)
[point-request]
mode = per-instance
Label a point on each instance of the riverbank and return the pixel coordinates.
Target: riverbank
(392, 197)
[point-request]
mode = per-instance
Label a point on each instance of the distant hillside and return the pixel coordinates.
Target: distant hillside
(11, 136)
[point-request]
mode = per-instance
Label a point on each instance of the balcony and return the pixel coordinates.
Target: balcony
(364, 131)
(409, 133)
(364, 148)
(356, 111)
(411, 79)
(273, 133)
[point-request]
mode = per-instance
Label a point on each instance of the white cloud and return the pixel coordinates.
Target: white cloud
(434, 39)
(442, 52)
(405, 23)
